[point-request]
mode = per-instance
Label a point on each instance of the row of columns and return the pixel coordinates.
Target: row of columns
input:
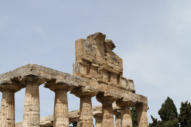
(31, 115)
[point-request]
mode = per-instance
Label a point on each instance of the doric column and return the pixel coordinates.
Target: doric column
(85, 119)
(7, 109)
(118, 119)
(125, 113)
(61, 109)
(61, 118)
(7, 115)
(126, 117)
(86, 115)
(98, 119)
(31, 115)
(142, 115)
(107, 110)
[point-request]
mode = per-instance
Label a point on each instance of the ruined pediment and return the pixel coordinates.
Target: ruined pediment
(98, 51)
(95, 58)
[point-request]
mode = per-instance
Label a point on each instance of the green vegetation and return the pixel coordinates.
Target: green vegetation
(170, 117)
(185, 114)
(134, 117)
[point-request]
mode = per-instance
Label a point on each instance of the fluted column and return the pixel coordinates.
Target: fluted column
(31, 116)
(61, 109)
(7, 109)
(86, 115)
(61, 118)
(7, 113)
(98, 119)
(86, 119)
(125, 112)
(107, 110)
(142, 115)
(126, 117)
(108, 120)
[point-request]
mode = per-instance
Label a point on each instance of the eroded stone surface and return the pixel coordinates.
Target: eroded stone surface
(95, 57)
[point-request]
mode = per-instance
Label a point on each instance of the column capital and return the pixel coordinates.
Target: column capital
(57, 86)
(83, 92)
(97, 114)
(10, 87)
(104, 99)
(33, 80)
(98, 118)
(122, 103)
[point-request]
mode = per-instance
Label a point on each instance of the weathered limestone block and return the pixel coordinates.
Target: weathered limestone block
(105, 76)
(127, 84)
(95, 59)
(131, 85)
(31, 116)
(142, 115)
(114, 78)
(93, 71)
(83, 69)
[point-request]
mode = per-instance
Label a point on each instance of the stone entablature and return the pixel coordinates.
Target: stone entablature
(98, 71)
(33, 72)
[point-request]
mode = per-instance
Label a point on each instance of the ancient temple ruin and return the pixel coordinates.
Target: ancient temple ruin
(98, 71)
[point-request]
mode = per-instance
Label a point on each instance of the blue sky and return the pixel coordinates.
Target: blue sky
(151, 36)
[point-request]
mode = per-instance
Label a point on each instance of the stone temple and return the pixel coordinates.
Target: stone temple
(97, 71)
